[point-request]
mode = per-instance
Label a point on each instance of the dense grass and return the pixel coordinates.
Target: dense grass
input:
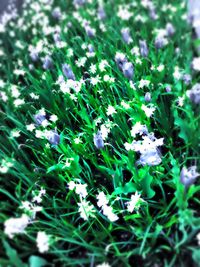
(162, 228)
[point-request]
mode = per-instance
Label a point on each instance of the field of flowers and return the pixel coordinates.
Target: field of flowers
(99, 135)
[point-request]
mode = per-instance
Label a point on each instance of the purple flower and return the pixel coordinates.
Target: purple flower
(53, 137)
(89, 31)
(120, 59)
(168, 88)
(170, 29)
(194, 94)
(160, 42)
(101, 13)
(34, 55)
(47, 63)
(56, 13)
(187, 78)
(147, 97)
(56, 37)
(188, 176)
(150, 157)
(126, 35)
(79, 2)
(67, 71)
(128, 70)
(143, 48)
(98, 140)
(39, 118)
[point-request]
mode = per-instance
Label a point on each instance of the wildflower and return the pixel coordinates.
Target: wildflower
(160, 42)
(120, 59)
(108, 212)
(168, 88)
(189, 175)
(143, 83)
(128, 70)
(90, 31)
(198, 238)
(18, 102)
(143, 48)
(177, 74)
(30, 127)
(56, 13)
(194, 93)
(77, 140)
(110, 110)
(196, 63)
(104, 264)
(53, 118)
(148, 110)
(39, 118)
(53, 137)
(101, 13)
(102, 200)
(138, 128)
(81, 190)
(68, 72)
(14, 226)
(126, 35)
(181, 100)
(47, 63)
(147, 97)
(170, 29)
(42, 241)
(30, 208)
(98, 140)
(34, 55)
(86, 209)
(187, 78)
(95, 80)
(133, 203)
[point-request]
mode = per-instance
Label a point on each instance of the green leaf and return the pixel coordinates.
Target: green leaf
(12, 255)
(127, 188)
(35, 261)
(196, 256)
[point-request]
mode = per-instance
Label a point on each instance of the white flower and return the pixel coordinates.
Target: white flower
(104, 131)
(45, 123)
(108, 212)
(128, 146)
(124, 13)
(86, 209)
(77, 140)
(133, 202)
(196, 63)
(15, 133)
(93, 68)
(103, 64)
(16, 225)
(53, 118)
(160, 68)
(148, 110)
(103, 265)
(71, 185)
(18, 102)
(181, 101)
(31, 208)
(110, 110)
(198, 238)
(143, 83)
(102, 200)
(30, 127)
(125, 105)
(177, 74)
(81, 190)
(95, 80)
(42, 242)
(138, 128)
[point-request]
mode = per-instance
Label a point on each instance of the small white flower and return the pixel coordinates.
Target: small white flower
(111, 110)
(30, 127)
(53, 118)
(198, 238)
(133, 202)
(148, 110)
(16, 225)
(103, 265)
(93, 69)
(18, 102)
(143, 83)
(71, 185)
(86, 209)
(81, 190)
(102, 200)
(42, 242)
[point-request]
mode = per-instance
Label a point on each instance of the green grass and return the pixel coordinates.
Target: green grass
(162, 229)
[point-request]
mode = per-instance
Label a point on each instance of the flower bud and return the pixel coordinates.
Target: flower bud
(194, 94)
(160, 42)
(128, 70)
(143, 48)
(98, 140)
(147, 97)
(47, 63)
(101, 13)
(67, 71)
(39, 118)
(126, 35)
(187, 78)
(170, 29)
(56, 13)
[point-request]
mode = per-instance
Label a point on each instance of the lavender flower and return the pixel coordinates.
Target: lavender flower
(101, 13)
(187, 78)
(39, 118)
(128, 70)
(53, 137)
(168, 88)
(68, 72)
(170, 29)
(147, 97)
(89, 31)
(34, 55)
(56, 13)
(152, 13)
(120, 59)
(188, 176)
(47, 63)
(160, 42)
(98, 140)
(143, 48)
(126, 35)
(56, 37)
(150, 157)
(194, 94)
(79, 3)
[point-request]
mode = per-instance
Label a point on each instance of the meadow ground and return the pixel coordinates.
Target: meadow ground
(99, 134)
